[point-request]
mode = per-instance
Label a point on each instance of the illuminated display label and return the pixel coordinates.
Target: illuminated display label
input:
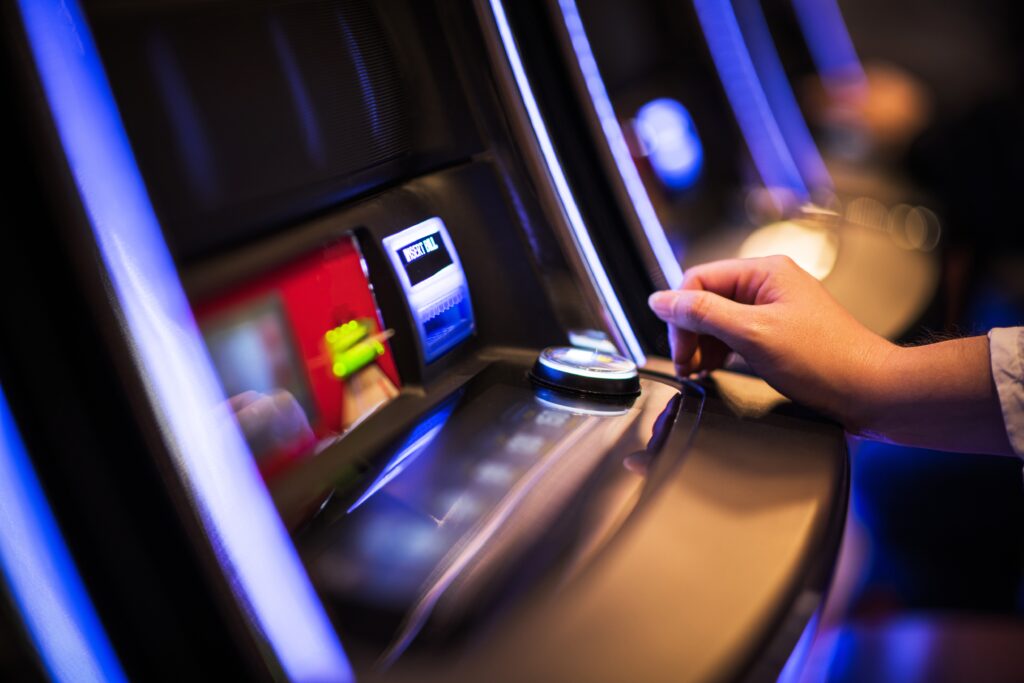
(421, 248)
(424, 257)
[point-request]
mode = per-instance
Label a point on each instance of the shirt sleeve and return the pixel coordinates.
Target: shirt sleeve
(1006, 348)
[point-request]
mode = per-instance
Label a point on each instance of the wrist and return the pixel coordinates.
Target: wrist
(876, 389)
(940, 395)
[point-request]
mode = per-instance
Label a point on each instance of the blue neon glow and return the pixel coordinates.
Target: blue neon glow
(245, 531)
(794, 666)
(365, 83)
(780, 94)
(652, 227)
(417, 442)
(767, 145)
(191, 140)
(41, 576)
(828, 40)
(670, 142)
(908, 648)
(568, 201)
(301, 100)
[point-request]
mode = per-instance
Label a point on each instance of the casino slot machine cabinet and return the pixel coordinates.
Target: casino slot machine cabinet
(401, 409)
(689, 110)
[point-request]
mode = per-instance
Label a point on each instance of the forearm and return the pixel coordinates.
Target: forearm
(805, 345)
(936, 396)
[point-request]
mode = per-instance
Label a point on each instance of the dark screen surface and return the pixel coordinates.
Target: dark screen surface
(245, 116)
(655, 49)
(424, 258)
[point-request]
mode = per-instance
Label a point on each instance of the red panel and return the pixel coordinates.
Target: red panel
(319, 292)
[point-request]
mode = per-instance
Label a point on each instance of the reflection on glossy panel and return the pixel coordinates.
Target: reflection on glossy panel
(455, 517)
(302, 352)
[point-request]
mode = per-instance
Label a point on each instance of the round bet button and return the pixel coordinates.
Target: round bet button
(586, 371)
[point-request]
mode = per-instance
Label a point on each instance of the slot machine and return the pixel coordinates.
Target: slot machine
(704, 143)
(383, 407)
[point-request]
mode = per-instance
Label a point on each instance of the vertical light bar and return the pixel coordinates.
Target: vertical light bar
(829, 42)
(767, 146)
(780, 95)
(794, 666)
(565, 195)
(652, 227)
(245, 531)
(41, 576)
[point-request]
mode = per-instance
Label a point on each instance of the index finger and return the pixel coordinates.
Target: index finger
(738, 279)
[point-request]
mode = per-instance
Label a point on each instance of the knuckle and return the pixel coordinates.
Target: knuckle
(700, 308)
(752, 328)
(691, 278)
(783, 262)
(758, 330)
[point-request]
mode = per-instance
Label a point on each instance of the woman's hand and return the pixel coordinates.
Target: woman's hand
(802, 342)
(785, 325)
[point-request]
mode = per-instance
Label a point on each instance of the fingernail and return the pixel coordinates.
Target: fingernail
(661, 303)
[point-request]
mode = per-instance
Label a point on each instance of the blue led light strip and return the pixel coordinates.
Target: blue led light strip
(652, 227)
(828, 40)
(411, 449)
(765, 141)
(794, 666)
(568, 201)
(245, 531)
(41, 576)
(780, 95)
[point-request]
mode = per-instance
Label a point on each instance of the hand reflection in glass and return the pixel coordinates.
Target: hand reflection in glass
(275, 426)
(639, 463)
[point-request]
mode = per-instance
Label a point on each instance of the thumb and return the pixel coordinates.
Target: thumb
(702, 312)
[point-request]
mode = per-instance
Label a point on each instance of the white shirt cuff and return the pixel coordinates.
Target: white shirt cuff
(1006, 349)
